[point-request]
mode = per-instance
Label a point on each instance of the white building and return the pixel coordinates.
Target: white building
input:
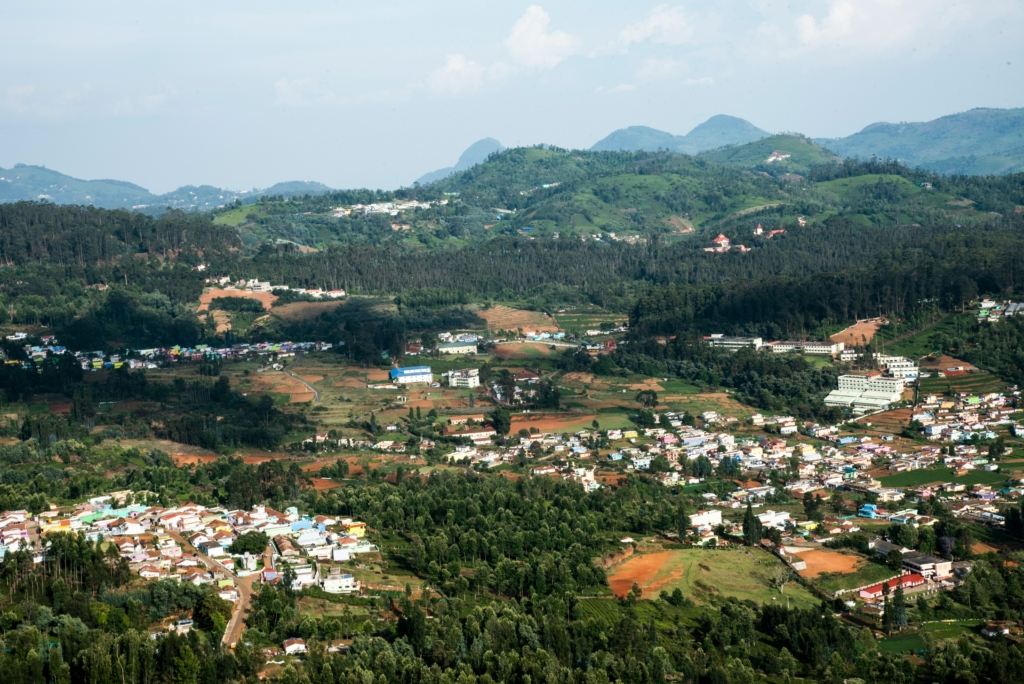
(340, 584)
(702, 518)
(412, 374)
(467, 378)
(720, 340)
(457, 348)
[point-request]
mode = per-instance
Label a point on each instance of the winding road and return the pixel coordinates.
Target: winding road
(288, 370)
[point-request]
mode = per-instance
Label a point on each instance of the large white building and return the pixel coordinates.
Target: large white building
(702, 518)
(468, 378)
(457, 348)
(806, 347)
(720, 340)
(866, 392)
(411, 374)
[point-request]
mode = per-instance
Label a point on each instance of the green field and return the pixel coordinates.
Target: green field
(869, 573)
(981, 382)
(935, 631)
(915, 478)
(703, 575)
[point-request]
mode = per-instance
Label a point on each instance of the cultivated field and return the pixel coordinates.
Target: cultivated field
(590, 321)
(860, 333)
(266, 298)
(702, 574)
(552, 423)
(505, 318)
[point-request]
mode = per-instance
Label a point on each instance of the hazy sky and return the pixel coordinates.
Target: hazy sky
(373, 94)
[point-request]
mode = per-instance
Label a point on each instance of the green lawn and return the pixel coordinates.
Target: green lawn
(869, 573)
(703, 575)
(937, 631)
(916, 478)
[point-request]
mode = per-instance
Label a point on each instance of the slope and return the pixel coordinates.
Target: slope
(979, 141)
(770, 155)
(474, 154)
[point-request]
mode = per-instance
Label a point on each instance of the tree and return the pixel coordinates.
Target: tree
(682, 520)
(899, 608)
(751, 527)
(649, 398)
(186, 666)
(251, 542)
(779, 576)
(894, 560)
(501, 420)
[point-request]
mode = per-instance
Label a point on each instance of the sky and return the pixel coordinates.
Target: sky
(374, 94)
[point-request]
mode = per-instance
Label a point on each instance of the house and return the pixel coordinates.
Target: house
(876, 591)
(150, 572)
(411, 374)
(293, 646)
(467, 378)
(340, 584)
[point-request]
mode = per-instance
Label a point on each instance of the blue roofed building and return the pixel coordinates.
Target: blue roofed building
(405, 376)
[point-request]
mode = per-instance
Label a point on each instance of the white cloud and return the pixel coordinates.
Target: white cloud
(457, 76)
(300, 92)
(621, 88)
(136, 105)
(659, 69)
(668, 25)
(16, 98)
(533, 44)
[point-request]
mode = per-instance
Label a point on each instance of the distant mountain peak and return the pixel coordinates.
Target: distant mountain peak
(718, 131)
(476, 153)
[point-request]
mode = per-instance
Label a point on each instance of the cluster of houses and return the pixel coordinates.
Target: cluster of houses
(992, 312)
(389, 208)
(965, 417)
(192, 543)
(230, 288)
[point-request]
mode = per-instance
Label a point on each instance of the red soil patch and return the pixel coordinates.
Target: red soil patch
(312, 378)
(551, 424)
(819, 561)
(982, 547)
(946, 361)
(60, 407)
(642, 568)
(321, 484)
(648, 384)
(505, 318)
(860, 333)
(378, 376)
(188, 459)
(266, 298)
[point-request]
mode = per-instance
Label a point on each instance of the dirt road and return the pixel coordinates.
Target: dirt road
(236, 624)
(314, 390)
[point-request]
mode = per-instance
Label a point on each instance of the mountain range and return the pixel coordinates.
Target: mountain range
(24, 182)
(976, 142)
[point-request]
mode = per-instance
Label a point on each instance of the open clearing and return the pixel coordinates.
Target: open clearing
(860, 333)
(266, 298)
(523, 350)
(701, 574)
(505, 318)
(819, 561)
(552, 423)
(281, 383)
(304, 311)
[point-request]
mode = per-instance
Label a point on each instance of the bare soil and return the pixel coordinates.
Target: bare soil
(505, 318)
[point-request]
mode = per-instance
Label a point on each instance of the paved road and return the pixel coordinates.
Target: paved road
(314, 390)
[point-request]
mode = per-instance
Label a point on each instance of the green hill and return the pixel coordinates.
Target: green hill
(979, 141)
(803, 153)
(24, 182)
(717, 131)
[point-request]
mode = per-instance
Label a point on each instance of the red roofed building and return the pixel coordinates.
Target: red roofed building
(875, 590)
(721, 241)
